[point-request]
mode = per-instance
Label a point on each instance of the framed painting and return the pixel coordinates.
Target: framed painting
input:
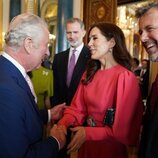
(120, 2)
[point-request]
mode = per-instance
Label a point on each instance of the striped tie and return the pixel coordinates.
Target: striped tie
(28, 80)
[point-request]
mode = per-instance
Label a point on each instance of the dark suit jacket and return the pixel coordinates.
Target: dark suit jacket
(20, 119)
(145, 84)
(152, 139)
(62, 93)
(149, 138)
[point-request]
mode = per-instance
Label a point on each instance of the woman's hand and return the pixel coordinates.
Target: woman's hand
(79, 137)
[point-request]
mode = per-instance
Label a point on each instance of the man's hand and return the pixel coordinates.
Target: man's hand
(57, 111)
(59, 132)
(78, 139)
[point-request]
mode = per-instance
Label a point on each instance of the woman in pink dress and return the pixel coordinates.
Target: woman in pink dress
(108, 99)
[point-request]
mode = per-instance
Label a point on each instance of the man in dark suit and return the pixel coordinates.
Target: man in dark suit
(64, 91)
(20, 119)
(148, 29)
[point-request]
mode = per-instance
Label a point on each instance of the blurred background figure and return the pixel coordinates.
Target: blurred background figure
(135, 66)
(144, 78)
(142, 73)
(42, 80)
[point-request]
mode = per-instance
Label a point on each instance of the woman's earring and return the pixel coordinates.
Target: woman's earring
(110, 50)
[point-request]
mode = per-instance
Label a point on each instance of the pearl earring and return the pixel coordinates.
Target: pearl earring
(110, 50)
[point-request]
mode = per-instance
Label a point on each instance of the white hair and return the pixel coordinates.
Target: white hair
(23, 26)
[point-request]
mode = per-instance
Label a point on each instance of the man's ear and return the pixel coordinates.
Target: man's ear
(28, 44)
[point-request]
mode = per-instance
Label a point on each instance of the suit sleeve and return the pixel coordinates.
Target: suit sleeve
(18, 134)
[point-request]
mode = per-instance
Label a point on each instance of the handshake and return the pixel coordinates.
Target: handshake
(59, 132)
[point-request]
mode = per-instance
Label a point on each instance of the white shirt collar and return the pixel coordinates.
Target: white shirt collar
(77, 53)
(79, 48)
(13, 61)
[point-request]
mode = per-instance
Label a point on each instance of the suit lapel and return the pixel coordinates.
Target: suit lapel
(65, 64)
(81, 63)
(24, 85)
(14, 73)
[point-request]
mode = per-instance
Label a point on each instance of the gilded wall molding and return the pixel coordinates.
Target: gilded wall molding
(153, 73)
(99, 11)
(31, 6)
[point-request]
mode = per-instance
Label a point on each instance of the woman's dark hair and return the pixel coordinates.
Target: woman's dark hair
(120, 52)
(136, 61)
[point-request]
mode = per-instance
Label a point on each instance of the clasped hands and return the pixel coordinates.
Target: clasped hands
(60, 131)
(78, 137)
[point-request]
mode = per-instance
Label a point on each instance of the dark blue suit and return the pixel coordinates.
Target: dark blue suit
(20, 119)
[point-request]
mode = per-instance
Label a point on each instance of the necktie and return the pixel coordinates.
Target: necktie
(28, 80)
(71, 66)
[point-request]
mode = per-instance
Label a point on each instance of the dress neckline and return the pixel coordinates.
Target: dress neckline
(109, 69)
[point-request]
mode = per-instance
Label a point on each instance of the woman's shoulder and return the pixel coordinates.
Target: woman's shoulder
(123, 69)
(125, 73)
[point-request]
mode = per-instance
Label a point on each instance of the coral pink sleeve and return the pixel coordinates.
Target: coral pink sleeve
(128, 115)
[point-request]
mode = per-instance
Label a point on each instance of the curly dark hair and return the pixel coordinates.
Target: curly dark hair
(120, 52)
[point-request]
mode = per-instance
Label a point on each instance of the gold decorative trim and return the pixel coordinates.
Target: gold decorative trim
(153, 73)
(98, 11)
(81, 13)
(31, 6)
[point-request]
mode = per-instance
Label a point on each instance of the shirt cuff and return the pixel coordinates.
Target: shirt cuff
(57, 142)
(49, 115)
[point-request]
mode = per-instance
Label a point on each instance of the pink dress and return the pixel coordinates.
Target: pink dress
(118, 86)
